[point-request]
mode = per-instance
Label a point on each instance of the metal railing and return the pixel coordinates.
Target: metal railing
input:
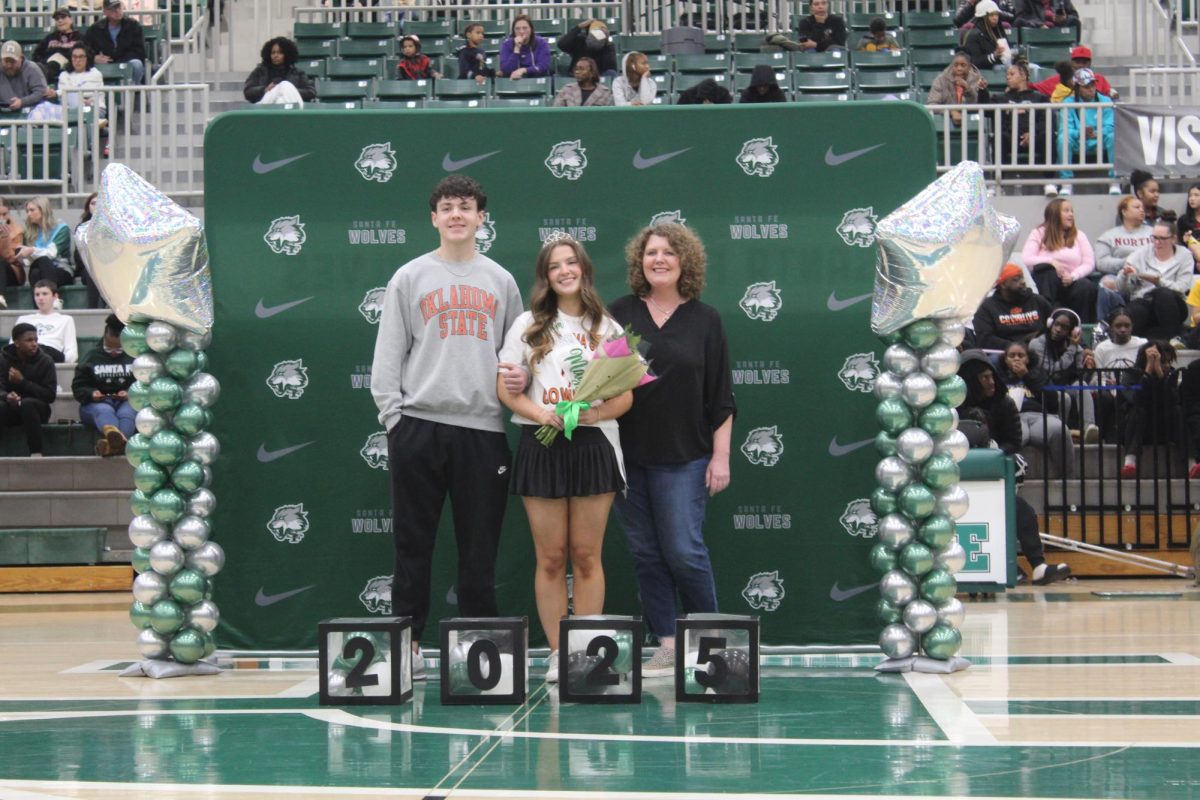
(1156, 34)
(1168, 86)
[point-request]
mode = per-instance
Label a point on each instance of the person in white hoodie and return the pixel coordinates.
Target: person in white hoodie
(634, 86)
(55, 330)
(1156, 278)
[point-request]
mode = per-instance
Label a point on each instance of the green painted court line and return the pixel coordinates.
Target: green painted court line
(1090, 597)
(1016, 708)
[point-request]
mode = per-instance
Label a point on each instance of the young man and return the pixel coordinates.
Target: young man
(55, 330)
(433, 378)
(27, 385)
(101, 385)
(116, 38)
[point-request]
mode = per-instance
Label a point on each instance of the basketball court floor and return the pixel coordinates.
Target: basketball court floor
(1084, 689)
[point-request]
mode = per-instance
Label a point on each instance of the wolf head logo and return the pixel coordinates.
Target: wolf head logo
(485, 235)
(372, 305)
(858, 227)
(377, 162)
(374, 452)
(764, 591)
(663, 217)
(859, 520)
(761, 301)
(759, 157)
(567, 160)
(289, 379)
(289, 523)
(286, 235)
(859, 372)
(763, 446)
(377, 595)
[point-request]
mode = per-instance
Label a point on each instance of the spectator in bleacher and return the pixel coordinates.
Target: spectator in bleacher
(1153, 407)
(1043, 429)
(1047, 14)
(47, 248)
(1156, 278)
(56, 330)
(634, 86)
(81, 269)
(12, 271)
(587, 90)
(22, 84)
(706, 92)
(1113, 355)
(590, 38)
(1066, 361)
(964, 18)
(764, 87)
(1012, 313)
(524, 53)
(118, 39)
(986, 44)
(101, 385)
(28, 384)
(1189, 399)
(1189, 221)
(1145, 188)
(877, 38)
(820, 30)
(1085, 130)
(1081, 58)
(82, 74)
(277, 79)
(53, 52)
(472, 59)
(958, 84)
(1115, 245)
(1017, 92)
(1059, 256)
(413, 64)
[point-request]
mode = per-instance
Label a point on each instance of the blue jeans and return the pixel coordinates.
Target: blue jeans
(1070, 151)
(662, 513)
(109, 411)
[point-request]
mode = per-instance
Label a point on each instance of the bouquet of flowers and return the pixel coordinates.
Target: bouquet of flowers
(615, 368)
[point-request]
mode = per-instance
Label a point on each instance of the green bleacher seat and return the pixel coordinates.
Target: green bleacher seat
(491, 27)
(354, 69)
(490, 45)
(518, 102)
(154, 36)
(461, 102)
(821, 97)
(746, 62)
(554, 25)
(829, 61)
(115, 74)
(703, 63)
(372, 30)
(717, 43)
(312, 67)
(434, 46)
(329, 91)
(74, 296)
(741, 80)
(925, 77)
(1047, 55)
(363, 48)
(390, 89)
(26, 35)
(686, 80)
(525, 87)
(428, 27)
(974, 149)
(613, 23)
(648, 43)
(317, 48)
(928, 19)
(821, 81)
(939, 57)
(458, 89)
(85, 343)
(932, 37)
(883, 81)
(393, 104)
(886, 94)
(660, 64)
(40, 546)
(882, 60)
(748, 42)
(58, 439)
(862, 22)
(317, 30)
(1047, 36)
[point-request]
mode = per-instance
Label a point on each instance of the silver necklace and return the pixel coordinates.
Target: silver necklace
(663, 311)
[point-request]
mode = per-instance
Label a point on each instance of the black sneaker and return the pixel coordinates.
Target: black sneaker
(1054, 572)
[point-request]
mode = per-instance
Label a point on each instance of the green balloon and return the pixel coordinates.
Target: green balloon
(137, 449)
(201, 361)
(188, 586)
(916, 559)
(891, 338)
(940, 471)
(941, 642)
(885, 443)
(883, 502)
(149, 477)
(140, 560)
(937, 531)
(180, 364)
(139, 395)
(690, 684)
(624, 661)
(165, 394)
(190, 419)
(210, 643)
(938, 586)
(133, 339)
(188, 476)
(887, 612)
(167, 505)
(952, 391)
(937, 419)
(166, 616)
(916, 501)
(167, 447)
(139, 503)
(139, 614)
(882, 559)
(921, 334)
(187, 646)
(893, 415)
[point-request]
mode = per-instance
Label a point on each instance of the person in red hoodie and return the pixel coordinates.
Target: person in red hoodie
(1081, 57)
(414, 64)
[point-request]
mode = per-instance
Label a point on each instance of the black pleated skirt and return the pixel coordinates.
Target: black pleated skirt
(582, 466)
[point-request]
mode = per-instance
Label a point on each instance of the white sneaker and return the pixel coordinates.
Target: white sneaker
(1050, 190)
(418, 666)
(1114, 188)
(1065, 191)
(552, 668)
(660, 664)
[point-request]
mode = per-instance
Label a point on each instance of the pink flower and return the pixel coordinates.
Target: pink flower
(617, 348)
(646, 379)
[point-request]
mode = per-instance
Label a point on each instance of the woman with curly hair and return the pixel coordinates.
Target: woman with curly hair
(277, 79)
(568, 487)
(676, 437)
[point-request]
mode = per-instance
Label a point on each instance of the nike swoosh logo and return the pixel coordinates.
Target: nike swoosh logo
(647, 163)
(450, 165)
(837, 594)
(267, 456)
(271, 599)
(835, 160)
(263, 167)
(833, 304)
(264, 312)
(838, 450)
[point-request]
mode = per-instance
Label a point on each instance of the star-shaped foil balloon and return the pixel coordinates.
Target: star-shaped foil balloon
(147, 254)
(940, 252)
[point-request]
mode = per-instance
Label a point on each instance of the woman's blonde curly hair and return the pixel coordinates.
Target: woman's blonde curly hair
(687, 245)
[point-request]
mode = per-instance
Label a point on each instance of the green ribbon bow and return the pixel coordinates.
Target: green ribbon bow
(569, 411)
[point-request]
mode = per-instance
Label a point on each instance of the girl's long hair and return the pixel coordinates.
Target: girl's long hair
(1053, 235)
(543, 302)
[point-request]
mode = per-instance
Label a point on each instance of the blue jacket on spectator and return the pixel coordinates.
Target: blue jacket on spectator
(1068, 134)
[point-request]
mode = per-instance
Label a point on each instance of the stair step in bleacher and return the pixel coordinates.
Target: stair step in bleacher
(58, 439)
(35, 546)
(102, 507)
(74, 473)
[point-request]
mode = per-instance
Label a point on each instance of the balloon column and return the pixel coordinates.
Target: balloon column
(938, 256)
(149, 260)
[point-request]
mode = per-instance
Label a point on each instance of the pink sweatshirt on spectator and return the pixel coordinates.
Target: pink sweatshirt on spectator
(1078, 261)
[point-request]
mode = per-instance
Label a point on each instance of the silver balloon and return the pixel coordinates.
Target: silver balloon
(895, 531)
(147, 367)
(150, 421)
(920, 615)
(152, 644)
(953, 444)
(952, 558)
(914, 445)
(145, 530)
(952, 613)
(207, 559)
(940, 361)
(951, 331)
(149, 588)
(940, 253)
(166, 557)
(204, 448)
(919, 390)
(897, 641)
(204, 615)
(900, 360)
(897, 588)
(207, 480)
(191, 531)
(146, 253)
(888, 385)
(201, 389)
(194, 341)
(336, 683)
(953, 502)
(201, 503)
(161, 336)
(892, 474)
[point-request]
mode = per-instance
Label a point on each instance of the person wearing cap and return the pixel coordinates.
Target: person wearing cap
(1012, 313)
(964, 17)
(22, 84)
(986, 44)
(118, 39)
(1081, 58)
(1047, 14)
(590, 38)
(53, 52)
(1085, 129)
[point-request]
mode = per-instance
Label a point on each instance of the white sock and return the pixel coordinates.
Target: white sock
(1039, 571)
(1131, 461)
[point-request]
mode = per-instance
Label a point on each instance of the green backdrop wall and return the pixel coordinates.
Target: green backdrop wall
(308, 214)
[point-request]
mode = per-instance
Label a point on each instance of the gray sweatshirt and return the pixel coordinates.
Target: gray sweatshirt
(1116, 244)
(28, 84)
(442, 326)
(1175, 274)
